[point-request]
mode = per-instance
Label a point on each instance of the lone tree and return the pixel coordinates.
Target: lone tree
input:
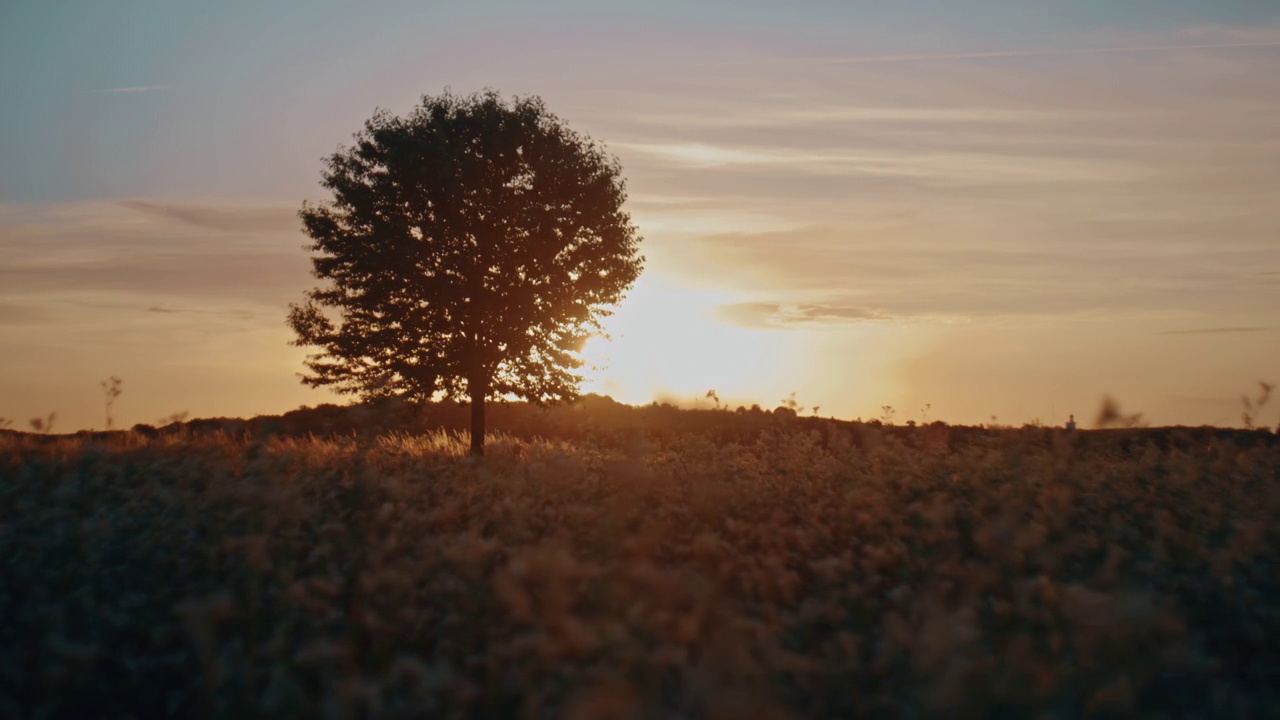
(469, 250)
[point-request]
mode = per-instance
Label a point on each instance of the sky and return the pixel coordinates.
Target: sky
(967, 210)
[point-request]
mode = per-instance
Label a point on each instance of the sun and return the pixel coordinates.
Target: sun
(666, 343)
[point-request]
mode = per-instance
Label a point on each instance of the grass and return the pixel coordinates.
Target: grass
(804, 569)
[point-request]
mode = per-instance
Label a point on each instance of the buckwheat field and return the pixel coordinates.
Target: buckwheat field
(767, 568)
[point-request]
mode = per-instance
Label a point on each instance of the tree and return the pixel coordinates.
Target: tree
(469, 250)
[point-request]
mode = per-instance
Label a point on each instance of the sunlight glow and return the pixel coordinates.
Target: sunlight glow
(667, 345)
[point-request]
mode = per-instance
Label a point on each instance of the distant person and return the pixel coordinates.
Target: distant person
(1071, 422)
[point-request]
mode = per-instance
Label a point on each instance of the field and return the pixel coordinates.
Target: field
(744, 565)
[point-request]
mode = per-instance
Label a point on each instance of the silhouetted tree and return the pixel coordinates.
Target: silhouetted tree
(469, 250)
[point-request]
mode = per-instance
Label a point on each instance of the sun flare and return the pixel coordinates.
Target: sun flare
(665, 343)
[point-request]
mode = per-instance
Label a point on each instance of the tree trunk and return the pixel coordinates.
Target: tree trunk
(477, 419)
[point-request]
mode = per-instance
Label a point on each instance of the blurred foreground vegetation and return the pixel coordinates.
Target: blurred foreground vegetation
(648, 564)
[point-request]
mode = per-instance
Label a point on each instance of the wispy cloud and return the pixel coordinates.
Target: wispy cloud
(921, 163)
(21, 314)
(1217, 331)
(239, 314)
(1000, 54)
(221, 217)
(134, 90)
(942, 191)
(956, 267)
(155, 254)
(780, 315)
(749, 115)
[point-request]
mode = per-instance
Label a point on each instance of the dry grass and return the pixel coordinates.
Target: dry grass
(794, 576)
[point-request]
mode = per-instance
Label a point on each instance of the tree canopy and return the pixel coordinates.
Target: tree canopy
(469, 250)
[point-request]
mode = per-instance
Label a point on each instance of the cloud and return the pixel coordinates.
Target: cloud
(1131, 128)
(134, 90)
(260, 278)
(233, 313)
(17, 313)
(214, 217)
(1137, 184)
(1217, 331)
(154, 255)
(1001, 54)
(921, 164)
(778, 315)
(823, 113)
(960, 267)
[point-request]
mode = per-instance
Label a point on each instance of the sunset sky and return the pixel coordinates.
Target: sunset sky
(999, 209)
